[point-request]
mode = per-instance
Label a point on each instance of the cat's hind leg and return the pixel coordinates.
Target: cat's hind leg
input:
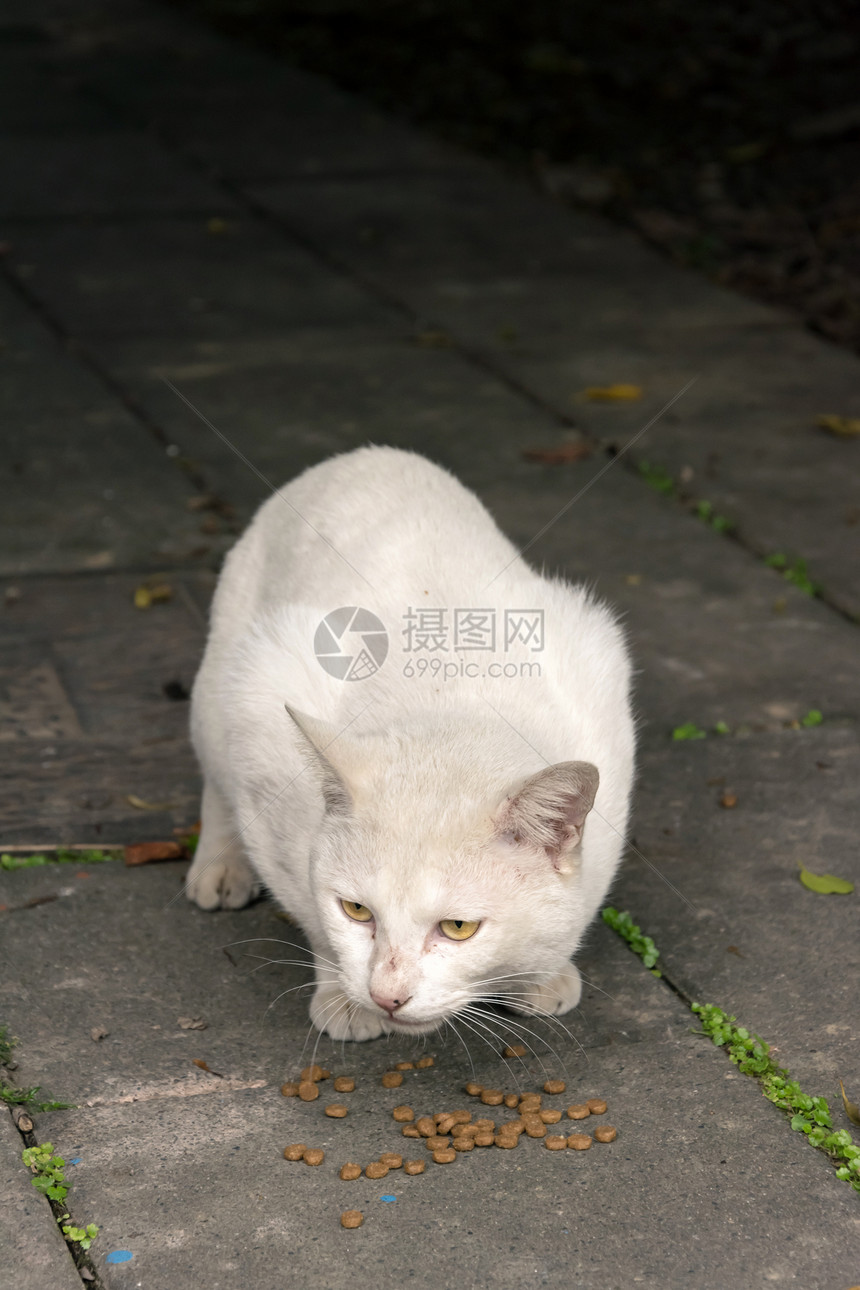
(220, 876)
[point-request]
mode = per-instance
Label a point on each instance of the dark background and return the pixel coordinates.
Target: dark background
(728, 134)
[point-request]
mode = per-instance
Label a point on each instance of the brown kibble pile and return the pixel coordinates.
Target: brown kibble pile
(336, 1110)
(295, 1152)
(403, 1114)
(437, 1143)
(314, 1156)
(315, 1073)
(290, 1089)
(376, 1170)
(605, 1133)
(308, 1091)
(392, 1159)
(596, 1105)
(426, 1126)
(549, 1116)
(463, 1144)
(578, 1112)
(414, 1167)
(554, 1086)
(492, 1097)
(445, 1157)
(409, 1131)
(351, 1218)
(554, 1143)
(514, 1050)
(349, 1172)
(344, 1084)
(392, 1079)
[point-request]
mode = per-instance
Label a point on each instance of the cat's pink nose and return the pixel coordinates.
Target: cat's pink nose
(388, 1005)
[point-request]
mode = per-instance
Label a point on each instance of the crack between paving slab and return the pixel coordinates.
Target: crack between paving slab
(80, 1258)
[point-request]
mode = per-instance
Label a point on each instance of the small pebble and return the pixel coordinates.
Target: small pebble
(423, 1063)
(376, 1170)
(579, 1141)
(351, 1218)
(392, 1159)
(308, 1091)
(605, 1133)
(336, 1110)
(403, 1114)
(290, 1089)
(405, 1066)
(349, 1172)
(414, 1167)
(514, 1050)
(492, 1097)
(553, 1143)
(295, 1152)
(578, 1112)
(554, 1086)
(596, 1105)
(344, 1084)
(314, 1156)
(392, 1079)
(445, 1157)
(474, 1090)
(549, 1116)
(409, 1131)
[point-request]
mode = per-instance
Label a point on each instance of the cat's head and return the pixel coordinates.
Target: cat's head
(441, 876)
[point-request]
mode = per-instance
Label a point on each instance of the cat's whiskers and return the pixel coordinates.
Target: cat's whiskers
(480, 1018)
(304, 985)
(449, 1021)
(535, 1011)
(313, 957)
(283, 962)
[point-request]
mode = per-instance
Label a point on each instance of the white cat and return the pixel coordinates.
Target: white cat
(424, 822)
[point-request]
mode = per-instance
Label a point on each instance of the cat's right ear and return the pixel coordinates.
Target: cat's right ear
(547, 813)
(315, 739)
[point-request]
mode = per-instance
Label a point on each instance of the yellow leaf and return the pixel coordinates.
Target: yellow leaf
(141, 804)
(826, 884)
(613, 393)
(842, 427)
(852, 1110)
(142, 598)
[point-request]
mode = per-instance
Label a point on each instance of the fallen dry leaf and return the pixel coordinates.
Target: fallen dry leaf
(152, 594)
(826, 884)
(148, 852)
(192, 1023)
(559, 456)
(141, 804)
(729, 801)
(613, 393)
(851, 1108)
(204, 1066)
(842, 427)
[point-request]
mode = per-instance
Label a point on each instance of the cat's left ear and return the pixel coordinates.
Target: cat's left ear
(316, 738)
(547, 813)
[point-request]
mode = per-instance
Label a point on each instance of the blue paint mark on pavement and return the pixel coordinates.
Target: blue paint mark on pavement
(388, 1199)
(119, 1256)
(77, 1160)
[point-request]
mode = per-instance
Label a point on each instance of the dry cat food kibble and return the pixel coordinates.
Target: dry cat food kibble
(536, 1129)
(376, 1170)
(485, 1138)
(308, 1091)
(461, 1117)
(549, 1116)
(492, 1097)
(554, 1086)
(530, 1101)
(336, 1110)
(605, 1133)
(409, 1131)
(290, 1089)
(578, 1112)
(392, 1079)
(445, 1157)
(405, 1066)
(349, 1172)
(426, 1126)
(596, 1105)
(414, 1167)
(445, 1124)
(512, 1100)
(514, 1050)
(473, 1089)
(314, 1156)
(295, 1152)
(315, 1073)
(392, 1159)
(423, 1063)
(344, 1084)
(403, 1114)
(351, 1218)
(553, 1143)
(437, 1143)
(579, 1141)
(506, 1140)
(463, 1144)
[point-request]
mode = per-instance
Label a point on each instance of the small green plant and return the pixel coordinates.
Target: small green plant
(794, 571)
(689, 730)
(706, 513)
(657, 477)
(722, 729)
(62, 855)
(623, 924)
(51, 1182)
(14, 1096)
(812, 718)
(83, 1235)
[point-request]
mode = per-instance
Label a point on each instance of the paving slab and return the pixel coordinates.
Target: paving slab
(30, 1239)
(85, 484)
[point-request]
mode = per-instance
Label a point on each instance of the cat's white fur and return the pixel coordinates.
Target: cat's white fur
(421, 797)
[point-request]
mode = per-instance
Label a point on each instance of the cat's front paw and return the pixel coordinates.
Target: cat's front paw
(335, 1014)
(554, 997)
(225, 881)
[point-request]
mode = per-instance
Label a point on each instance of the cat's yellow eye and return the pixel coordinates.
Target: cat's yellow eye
(360, 913)
(458, 929)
